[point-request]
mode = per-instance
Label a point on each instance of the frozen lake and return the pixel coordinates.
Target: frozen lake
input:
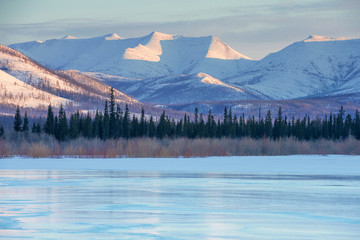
(287, 197)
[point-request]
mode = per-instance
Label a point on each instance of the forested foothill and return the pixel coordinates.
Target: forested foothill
(116, 124)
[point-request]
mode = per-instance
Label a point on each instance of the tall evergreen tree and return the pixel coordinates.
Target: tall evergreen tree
(33, 129)
(224, 126)
(56, 127)
(126, 122)
(73, 128)
(347, 126)
(2, 131)
(134, 130)
(17, 120)
(201, 127)
(112, 113)
(106, 119)
(330, 126)
(142, 127)
(196, 123)
(179, 127)
(325, 128)
(279, 128)
(25, 127)
(356, 125)
(62, 125)
(152, 129)
(268, 125)
(49, 126)
(98, 125)
(160, 130)
(88, 128)
(339, 128)
(119, 122)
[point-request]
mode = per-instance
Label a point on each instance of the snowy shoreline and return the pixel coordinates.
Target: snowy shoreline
(291, 164)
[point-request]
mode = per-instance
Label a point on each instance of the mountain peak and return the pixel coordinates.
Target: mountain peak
(161, 36)
(69, 37)
(219, 49)
(112, 36)
(318, 38)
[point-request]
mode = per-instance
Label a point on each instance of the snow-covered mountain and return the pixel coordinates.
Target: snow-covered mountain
(26, 83)
(317, 66)
(164, 69)
(154, 55)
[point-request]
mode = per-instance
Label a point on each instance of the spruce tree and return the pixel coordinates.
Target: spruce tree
(33, 129)
(356, 125)
(126, 122)
(88, 128)
(196, 123)
(25, 127)
(56, 127)
(62, 125)
(49, 126)
(17, 120)
(339, 128)
(73, 128)
(2, 132)
(230, 128)
(330, 126)
(97, 125)
(201, 127)
(112, 113)
(106, 119)
(119, 119)
(236, 126)
(189, 128)
(179, 127)
(142, 127)
(218, 129)
(152, 129)
(134, 126)
(347, 126)
(208, 132)
(325, 128)
(160, 130)
(278, 131)
(225, 123)
(268, 125)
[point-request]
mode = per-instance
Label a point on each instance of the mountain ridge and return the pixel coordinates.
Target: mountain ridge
(171, 69)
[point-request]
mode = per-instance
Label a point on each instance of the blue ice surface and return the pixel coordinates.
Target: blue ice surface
(287, 197)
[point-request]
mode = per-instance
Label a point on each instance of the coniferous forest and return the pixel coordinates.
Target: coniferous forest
(115, 123)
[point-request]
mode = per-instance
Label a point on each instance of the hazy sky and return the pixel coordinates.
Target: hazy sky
(254, 28)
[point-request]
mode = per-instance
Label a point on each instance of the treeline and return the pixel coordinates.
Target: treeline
(114, 123)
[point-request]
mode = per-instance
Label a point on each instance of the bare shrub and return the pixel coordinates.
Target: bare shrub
(38, 150)
(45, 146)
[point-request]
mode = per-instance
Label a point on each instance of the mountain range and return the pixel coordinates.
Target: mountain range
(171, 70)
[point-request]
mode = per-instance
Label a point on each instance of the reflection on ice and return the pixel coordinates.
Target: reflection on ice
(100, 204)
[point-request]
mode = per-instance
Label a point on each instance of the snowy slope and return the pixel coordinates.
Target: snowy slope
(317, 66)
(26, 83)
(16, 92)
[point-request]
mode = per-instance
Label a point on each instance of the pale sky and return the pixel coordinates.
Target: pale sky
(253, 28)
